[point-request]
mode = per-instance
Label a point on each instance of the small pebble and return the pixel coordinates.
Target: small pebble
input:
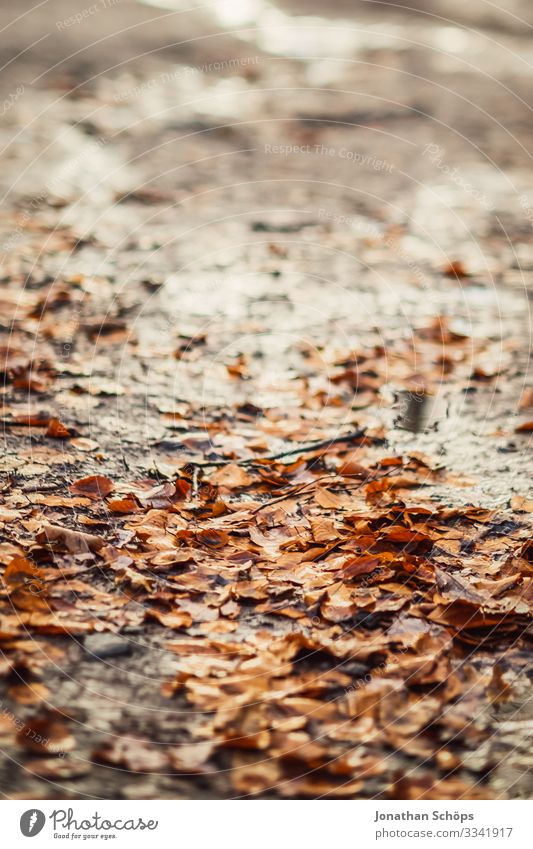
(102, 646)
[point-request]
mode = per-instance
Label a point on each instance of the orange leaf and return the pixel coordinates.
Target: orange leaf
(527, 427)
(171, 619)
(329, 500)
(213, 538)
(95, 487)
(21, 572)
(123, 505)
(25, 585)
(360, 566)
(57, 430)
(231, 476)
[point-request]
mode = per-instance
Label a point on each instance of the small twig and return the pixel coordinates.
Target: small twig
(295, 490)
(301, 449)
(302, 487)
(314, 446)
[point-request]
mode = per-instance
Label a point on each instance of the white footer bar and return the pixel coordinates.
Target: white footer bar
(317, 824)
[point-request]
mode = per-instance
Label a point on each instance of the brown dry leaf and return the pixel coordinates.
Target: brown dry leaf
(406, 536)
(21, 572)
(328, 499)
(455, 268)
(356, 566)
(74, 541)
(522, 504)
(526, 427)
(352, 467)
(95, 487)
(125, 573)
(212, 538)
(323, 530)
(472, 620)
(526, 399)
(25, 585)
(231, 476)
(57, 430)
(339, 605)
(171, 619)
(57, 623)
(159, 496)
(453, 586)
(123, 505)
(256, 590)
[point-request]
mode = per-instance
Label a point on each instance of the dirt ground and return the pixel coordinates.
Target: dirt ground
(229, 233)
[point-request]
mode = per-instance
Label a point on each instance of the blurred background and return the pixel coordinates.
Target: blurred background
(383, 79)
(391, 144)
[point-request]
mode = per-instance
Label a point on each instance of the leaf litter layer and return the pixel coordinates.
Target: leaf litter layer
(329, 625)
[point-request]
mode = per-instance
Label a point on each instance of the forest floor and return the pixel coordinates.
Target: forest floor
(266, 501)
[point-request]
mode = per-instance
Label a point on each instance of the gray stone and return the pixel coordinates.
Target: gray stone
(102, 646)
